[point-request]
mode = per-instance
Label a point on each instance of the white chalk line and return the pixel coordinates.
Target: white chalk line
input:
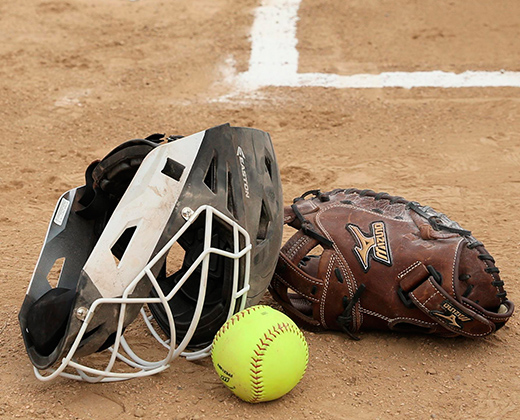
(274, 62)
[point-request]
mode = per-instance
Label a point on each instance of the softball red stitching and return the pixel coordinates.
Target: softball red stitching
(231, 321)
(256, 363)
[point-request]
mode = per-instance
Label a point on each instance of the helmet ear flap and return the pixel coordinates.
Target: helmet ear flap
(47, 314)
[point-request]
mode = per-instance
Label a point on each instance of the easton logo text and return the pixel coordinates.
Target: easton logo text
(371, 246)
(242, 160)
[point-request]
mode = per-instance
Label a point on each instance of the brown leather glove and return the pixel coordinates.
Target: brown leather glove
(361, 260)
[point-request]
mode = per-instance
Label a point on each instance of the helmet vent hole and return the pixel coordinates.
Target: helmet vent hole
(263, 224)
(55, 272)
(175, 259)
(211, 175)
(119, 248)
(268, 166)
(173, 169)
(230, 198)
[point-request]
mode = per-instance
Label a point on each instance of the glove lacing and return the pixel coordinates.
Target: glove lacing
(345, 319)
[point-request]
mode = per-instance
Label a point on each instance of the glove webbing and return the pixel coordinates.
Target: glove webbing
(306, 228)
(345, 319)
(435, 222)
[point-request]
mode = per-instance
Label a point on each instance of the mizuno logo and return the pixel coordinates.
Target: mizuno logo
(451, 315)
(372, 246)
(450, 319)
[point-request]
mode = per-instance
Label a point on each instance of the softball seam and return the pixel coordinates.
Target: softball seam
(255, 371)
(232, 320)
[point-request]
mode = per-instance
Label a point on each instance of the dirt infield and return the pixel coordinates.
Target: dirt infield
(79, 77)
(373, 36)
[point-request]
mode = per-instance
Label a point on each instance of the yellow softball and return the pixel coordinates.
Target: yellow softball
(260, 354)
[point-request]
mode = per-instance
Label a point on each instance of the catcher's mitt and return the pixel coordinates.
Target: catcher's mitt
(386, 263)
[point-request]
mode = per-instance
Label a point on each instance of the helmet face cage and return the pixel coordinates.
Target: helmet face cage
(121, 349)
(113, 276)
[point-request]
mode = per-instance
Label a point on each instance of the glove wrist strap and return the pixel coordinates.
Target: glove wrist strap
(431, 298)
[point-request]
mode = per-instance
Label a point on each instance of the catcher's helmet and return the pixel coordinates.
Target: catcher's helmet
(214, 196)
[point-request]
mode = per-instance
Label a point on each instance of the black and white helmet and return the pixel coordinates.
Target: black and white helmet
(184, 231)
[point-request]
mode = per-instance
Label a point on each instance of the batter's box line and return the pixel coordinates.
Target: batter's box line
(274, 62)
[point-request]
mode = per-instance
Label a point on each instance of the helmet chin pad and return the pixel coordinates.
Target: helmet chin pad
(48, 317)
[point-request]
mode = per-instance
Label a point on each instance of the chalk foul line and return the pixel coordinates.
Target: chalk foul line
(274, 62)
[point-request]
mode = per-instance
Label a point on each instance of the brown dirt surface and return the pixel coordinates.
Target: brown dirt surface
(79, 77)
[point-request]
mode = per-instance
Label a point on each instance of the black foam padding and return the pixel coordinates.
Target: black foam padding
(47, 319)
